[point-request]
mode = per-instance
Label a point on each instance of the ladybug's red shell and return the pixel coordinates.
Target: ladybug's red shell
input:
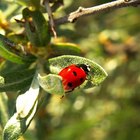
(72, 77)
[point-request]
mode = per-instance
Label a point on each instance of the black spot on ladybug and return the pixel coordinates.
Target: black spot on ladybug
(69, 84)
(81, 79)
(74, 73)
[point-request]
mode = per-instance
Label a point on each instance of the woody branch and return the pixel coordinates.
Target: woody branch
(80, 12)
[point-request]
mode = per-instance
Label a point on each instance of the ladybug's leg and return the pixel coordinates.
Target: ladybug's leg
(62, 96)
(66, 92)
(69, 90)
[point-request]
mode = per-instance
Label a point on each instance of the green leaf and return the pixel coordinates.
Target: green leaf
(13, 128)
(4, 116)
(26, 107)
(36, 28)
(6, 51)
(51, 83)
(56, 49)
(17, 80)
(9, 52)
(4, 67)
(96, 75)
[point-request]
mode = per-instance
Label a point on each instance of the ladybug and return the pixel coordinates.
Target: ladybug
(73, 76)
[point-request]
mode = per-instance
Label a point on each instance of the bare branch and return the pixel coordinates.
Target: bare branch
(95, 10)
(51, 20)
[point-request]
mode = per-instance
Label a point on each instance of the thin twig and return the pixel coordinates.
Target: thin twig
(51, 20)
(95, 10)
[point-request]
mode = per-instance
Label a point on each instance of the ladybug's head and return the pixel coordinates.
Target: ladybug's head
(85, 67)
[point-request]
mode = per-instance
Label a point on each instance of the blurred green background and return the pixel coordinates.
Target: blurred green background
(110, 111)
